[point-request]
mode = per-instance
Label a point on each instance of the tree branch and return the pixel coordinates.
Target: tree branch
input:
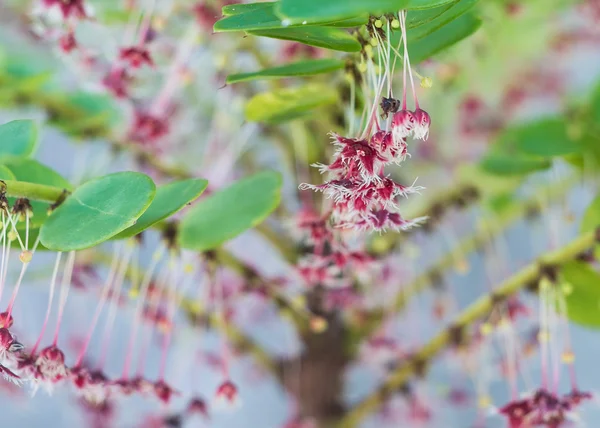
(471, 314)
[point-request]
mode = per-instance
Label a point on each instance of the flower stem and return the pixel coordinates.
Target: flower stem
(477, 310)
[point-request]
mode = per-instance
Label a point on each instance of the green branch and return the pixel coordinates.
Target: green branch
(483, 235)
(476, 311)
(32, 191)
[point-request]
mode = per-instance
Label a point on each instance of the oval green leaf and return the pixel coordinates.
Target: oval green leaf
(336, 9)
(582, 296)
(443, 38)
(284, 103)
(231, 211)
(300, 68)
(98, 210)
(591, 217)
(6, 174)
(322, 37)
(449, 14)
(236, 9)
(513, 165)
(545, 137)
(263, 16)
(18, 138)
(169, 199)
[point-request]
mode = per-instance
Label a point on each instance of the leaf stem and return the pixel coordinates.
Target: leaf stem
(32, 191)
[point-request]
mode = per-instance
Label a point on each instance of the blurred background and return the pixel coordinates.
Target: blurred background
(529, 62)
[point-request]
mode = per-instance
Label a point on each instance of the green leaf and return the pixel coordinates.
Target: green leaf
(336, 9)
(18, 138)
(236, 9)
(262, 16)
(449, 14)
(591, 217)
(169, 199)
(500, 164)
(443, 38)
(426, 4)
(583, 296)
(31, 171)
(546, 137)
(322, 37)
(595, 104)
(421, 17)
(98, 210)
(284, 103)
(95, 111)
(300, 68)
(231, 211)
(6, 174)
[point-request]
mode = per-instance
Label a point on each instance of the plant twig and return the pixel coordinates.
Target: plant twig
(372, 321)
(476, 311)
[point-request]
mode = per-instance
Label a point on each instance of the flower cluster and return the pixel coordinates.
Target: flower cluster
(364, 196)
(543, 409)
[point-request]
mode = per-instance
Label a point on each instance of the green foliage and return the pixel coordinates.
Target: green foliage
(231, 211)
(591, 217)
(322, 37)
(6, 174)
(443, 38)
(595, 108)
(18, 138)
(300, 68)
(98, 210)
(531, 147)
(546, 138)
(284, 104)
(501, 164)
(582, 293)
(339, 9)
(439, 17)
(169, 199)
(95, 111)
(262, 16)
(236, 9)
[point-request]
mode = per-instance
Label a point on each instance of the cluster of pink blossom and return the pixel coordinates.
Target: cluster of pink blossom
(364, 197)
(543, 409)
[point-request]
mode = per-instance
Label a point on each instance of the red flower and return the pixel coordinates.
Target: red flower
(68, 7)
(67, 42)
(136, 56)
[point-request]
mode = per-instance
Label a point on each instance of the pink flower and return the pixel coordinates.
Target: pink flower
(67, 42)
(117, 82)
(227, 392)
(421, 125)
(136, 56)
(403, 124)
(68, 7)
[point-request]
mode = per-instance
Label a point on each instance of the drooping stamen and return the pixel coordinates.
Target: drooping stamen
(64, 293)
(138, 314)
(173, 78)
(407, 65)
(103, 297)
(174, 304)
(116, 296)
(147, 19)
(50, 299)
(154, 305)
